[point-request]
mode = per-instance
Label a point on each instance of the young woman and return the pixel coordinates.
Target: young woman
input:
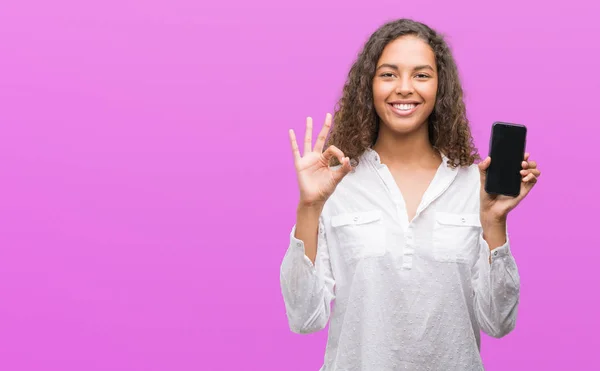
(394, 227)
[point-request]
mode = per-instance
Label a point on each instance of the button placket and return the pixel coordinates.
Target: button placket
(407, 257)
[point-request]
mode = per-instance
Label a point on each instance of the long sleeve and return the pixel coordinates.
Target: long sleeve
(496, 289)
(307, 289)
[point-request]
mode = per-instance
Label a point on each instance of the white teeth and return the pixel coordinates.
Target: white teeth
(404, 107)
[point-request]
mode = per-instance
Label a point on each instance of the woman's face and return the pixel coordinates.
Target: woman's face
(405, 85)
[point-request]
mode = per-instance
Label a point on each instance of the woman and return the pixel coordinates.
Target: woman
(399, 233)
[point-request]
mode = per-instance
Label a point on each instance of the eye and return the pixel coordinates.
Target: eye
(387, 74)
(422, 76)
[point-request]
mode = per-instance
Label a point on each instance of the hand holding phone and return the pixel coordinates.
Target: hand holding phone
(507, 149)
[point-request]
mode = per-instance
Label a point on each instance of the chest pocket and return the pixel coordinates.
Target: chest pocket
(456, 236)
(360, 234)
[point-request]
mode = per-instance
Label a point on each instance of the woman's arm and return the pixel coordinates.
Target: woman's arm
(495, 278)
(307, 282)
(496, 282)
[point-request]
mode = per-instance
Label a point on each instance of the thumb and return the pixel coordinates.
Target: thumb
(343, 170)
(483, 166)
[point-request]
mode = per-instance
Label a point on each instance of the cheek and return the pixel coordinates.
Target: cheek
(429, 94)
(377, 92)
(433, 91)
(379, 96)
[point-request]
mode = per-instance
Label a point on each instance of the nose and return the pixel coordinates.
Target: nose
(404, 87)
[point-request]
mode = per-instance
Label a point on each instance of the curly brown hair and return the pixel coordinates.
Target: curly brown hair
(355, 122)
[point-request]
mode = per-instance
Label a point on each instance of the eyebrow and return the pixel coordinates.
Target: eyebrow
(394, 67)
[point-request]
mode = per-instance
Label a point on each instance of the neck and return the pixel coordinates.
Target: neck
(407, 151)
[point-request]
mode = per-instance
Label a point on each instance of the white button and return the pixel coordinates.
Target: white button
(299, 244)
(495, 253)
(463, 220)
(356, 218)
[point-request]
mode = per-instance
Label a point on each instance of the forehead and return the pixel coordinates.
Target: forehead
(407, 51)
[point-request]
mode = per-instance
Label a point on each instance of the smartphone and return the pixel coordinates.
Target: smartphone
(507, 151)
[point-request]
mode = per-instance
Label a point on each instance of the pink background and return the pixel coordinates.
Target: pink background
(148, 190)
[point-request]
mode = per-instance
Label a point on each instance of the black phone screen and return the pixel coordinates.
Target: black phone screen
(507, 148)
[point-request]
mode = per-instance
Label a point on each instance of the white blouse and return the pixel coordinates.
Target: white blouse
(406, 295)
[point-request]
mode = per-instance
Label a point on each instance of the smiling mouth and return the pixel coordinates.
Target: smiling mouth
(403, 109)
(404, 106)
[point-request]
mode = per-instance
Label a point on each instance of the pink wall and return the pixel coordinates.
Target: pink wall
(147, 185)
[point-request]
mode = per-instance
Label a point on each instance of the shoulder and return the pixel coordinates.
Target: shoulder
(468, 179)
(355, 190)
(471, 171)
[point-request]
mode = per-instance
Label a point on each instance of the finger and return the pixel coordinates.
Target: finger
(343, 170)
(308, 136)
(347, 165)
(483, 166)
(525, 165)
(535, 172)
(332, 151)
(530, 178)
(531, 164)
(295, 150)
(323, 134)
(526, 157)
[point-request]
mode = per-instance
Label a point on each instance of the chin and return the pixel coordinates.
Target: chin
(404, 125)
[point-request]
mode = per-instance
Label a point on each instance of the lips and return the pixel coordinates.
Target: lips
(404, 109)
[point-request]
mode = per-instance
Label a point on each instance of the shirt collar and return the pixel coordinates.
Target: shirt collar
(372, 156)
(444, 176)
